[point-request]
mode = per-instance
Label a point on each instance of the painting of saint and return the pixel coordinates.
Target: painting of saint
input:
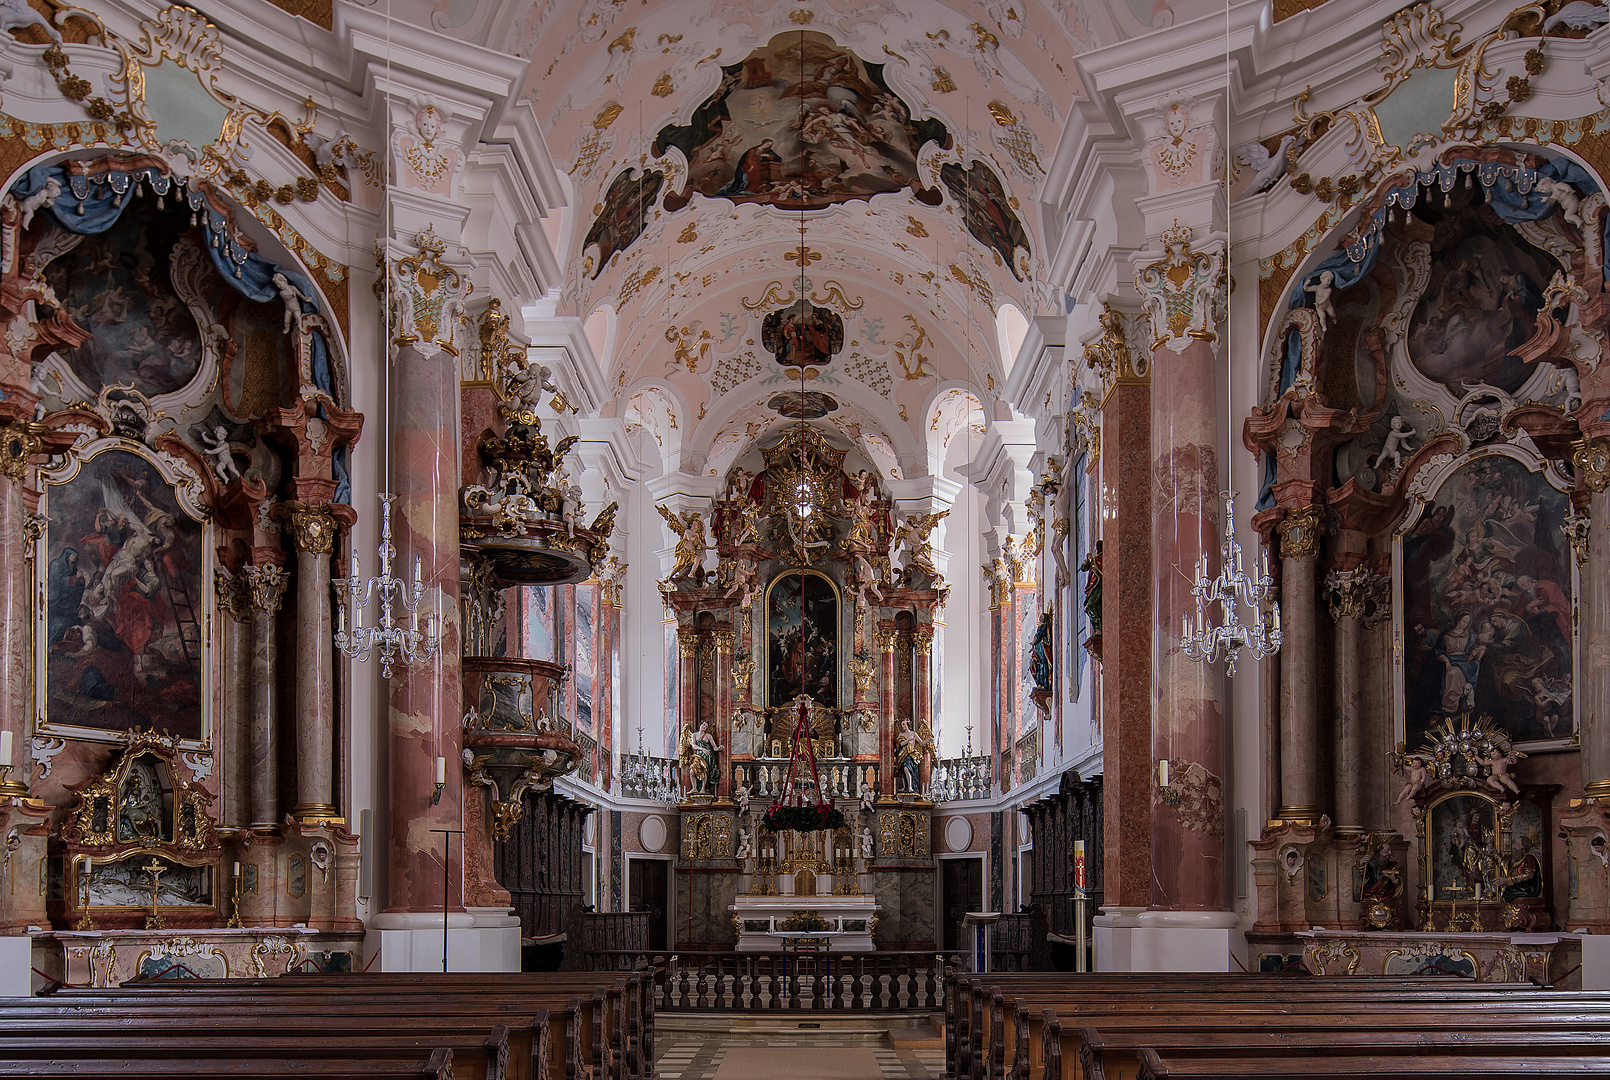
(118, 286)
(1487, 604)
(798, 338)
(802, 635)
(123, 604)
(987, 211)
(624, 216)
(1482, 301)
(801, 123)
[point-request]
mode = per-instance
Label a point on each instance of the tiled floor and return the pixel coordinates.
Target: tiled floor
(798, 1054)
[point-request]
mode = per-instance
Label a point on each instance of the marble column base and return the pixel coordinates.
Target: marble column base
(469, 947)
(1186, 941)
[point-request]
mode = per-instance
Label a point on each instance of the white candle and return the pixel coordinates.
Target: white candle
(5, 748)
(237, 869)
(1478, 890)
(1162, 773)
(89, 864)
(441, 770)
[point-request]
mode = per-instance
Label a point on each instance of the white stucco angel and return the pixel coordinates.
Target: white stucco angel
(742, 796)
(526, 381)
(292, 298)
(45, 196)
(1572, 382)
(1564, 196)
(869, 799)
(1266, 167)
(1418, 770)
(1397, 441)
(216, 444)
(572, 506)
(866, 841)
(1322, 288)
(746, 844)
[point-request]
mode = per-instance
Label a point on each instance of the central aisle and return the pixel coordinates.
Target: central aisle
(897, 1048)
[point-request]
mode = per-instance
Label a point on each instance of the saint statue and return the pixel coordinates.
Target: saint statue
(700, 759)
(911, 749)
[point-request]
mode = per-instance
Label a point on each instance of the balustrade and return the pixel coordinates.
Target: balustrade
(961, 778)
(792, 982)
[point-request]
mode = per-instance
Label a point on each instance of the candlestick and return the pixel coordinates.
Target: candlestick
(1162, 773)
(234, 922)
(84, 921)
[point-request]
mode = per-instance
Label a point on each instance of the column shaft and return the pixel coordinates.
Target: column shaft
(266, 584)
(887, 640)
(235, 721)
(314, 530)
(1188, 696)
(1299, 669)
(426, 698)
(1594, 675)
(1126, 644)
(16, 667)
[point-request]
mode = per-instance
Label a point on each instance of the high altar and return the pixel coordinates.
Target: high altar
(819, 608)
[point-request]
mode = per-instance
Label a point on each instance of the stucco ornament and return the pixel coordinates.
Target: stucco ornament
(1183, 292)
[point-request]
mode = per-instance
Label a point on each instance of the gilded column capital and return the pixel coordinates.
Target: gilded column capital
(265, 586)
(922, 635)
(1184, 292)
(1591, 460)
(887, 639)
(1300, 531)
(232, 596)
(1358, 594)
(687, 645)
(313, 525)
(19, 442)
(427, 295)
(1111, 357)
(724, 640)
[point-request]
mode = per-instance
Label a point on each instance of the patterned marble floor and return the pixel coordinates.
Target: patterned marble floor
(797, 1054)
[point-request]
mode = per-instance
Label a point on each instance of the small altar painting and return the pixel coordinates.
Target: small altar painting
(118, 286)
(124, 610)
(802, 617)
(1482, 300)
(798, 337)
(1487, 605)
(801, 122)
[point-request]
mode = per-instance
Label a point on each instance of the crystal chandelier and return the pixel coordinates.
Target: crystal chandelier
(1231, 589)
(387, 637)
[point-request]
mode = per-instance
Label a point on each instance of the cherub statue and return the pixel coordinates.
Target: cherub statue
(866, 581)
(1564, 196)
(738, 484)
(866, 841)
(216, 444)
(527, 379)
(292, 297)
(745, 580)
(1397, 441)
(690, 548)
(45, 196)
(572, 507)
(1498, 763)
(1572, 382)
(746, 844)
(1418, 768)
(1322, 288)
(743, 796)
(869, 799)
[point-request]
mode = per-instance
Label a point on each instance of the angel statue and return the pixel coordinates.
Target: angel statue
(913, 534)
(700, 759)
(690, 548)
(911, 748)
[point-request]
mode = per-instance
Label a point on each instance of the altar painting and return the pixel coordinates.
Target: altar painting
(801, 122)
(802, 623)
(123, 640)
(1487, 598)
(118, 286)
(1482, 300)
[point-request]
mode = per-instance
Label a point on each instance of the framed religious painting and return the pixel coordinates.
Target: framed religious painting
(123, 627)
(1486, 585)
(802, 638)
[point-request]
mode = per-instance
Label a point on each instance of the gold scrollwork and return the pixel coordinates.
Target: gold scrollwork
(19, 442)
(1300, 532)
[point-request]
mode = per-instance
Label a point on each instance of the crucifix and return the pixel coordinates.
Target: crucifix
(154, 921)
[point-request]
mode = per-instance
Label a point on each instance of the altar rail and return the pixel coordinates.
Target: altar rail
(789, 982)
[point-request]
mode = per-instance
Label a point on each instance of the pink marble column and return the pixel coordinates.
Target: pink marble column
(1188, 696)
(1126, 643)
(1348, 592)
(1300, 531)
(687, 685)
(314, 529)
(235, 721)
(265, 583)
(16, 667)
(723, 702)
(888, 641)
(922, 636)
(1594, 679)
(425, 698)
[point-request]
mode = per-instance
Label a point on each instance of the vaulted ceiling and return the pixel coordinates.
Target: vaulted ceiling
(698, 136)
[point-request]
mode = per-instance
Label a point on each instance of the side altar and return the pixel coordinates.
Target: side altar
(815, 632)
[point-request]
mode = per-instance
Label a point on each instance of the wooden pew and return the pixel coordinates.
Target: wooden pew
(437, 1066)
(1116, 1055)
(1340, 1066)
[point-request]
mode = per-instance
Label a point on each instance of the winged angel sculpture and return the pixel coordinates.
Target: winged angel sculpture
(912, 535)
(690, 547)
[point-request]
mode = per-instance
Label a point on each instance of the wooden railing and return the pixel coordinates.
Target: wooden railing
(789, 982)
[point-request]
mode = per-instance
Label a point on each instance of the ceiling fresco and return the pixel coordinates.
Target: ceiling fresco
(909, 139)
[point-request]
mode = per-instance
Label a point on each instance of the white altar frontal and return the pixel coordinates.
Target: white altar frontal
(823, 923)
